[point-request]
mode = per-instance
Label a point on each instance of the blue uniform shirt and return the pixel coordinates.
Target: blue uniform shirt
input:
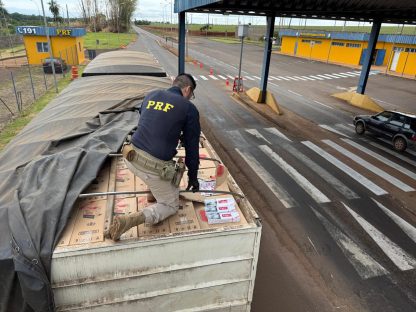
(164, 114)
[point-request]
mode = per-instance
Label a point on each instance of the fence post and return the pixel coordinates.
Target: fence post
(44, 79)
(72, 56)
(62, 65)
(67, 59)
(31, 82)
(15, 92)
(8, 108)
(20, 106)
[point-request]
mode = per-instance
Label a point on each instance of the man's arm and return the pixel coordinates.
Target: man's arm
(191, 134)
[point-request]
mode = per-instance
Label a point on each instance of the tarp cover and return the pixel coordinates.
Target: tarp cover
(125, 63)
(46, 167)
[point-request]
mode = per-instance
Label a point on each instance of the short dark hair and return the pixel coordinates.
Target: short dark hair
(184, 80)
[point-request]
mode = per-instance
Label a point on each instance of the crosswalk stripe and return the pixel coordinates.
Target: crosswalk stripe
(363, 263)
(400, 258)
(222, 77)
(340, 75)
(389, 178)
(322, 76)
(196, 79)
(329, 128)
(231, 77)
(203, 77)
(403, 224)
(345, 128)
(308, 78)
(270, 182)
(213, 77)
(348, 74)
(284, 78)
(258, 78)
(391, 152)
(257, 134)
(335, 77)
(275, 78)
(357, 71)
(346, 169)
(323, 173)
(278, 133)
(249, 78)
(308, 187)
(292, 78)
(297, 77)
(319, 78)
(382, 159)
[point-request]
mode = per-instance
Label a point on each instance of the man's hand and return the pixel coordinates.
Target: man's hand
(193, 185)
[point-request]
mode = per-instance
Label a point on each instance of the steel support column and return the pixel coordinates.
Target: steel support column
(365, 70)
(266, 57)
(181, 43)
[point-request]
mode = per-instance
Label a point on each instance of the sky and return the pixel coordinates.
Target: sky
(156, 10)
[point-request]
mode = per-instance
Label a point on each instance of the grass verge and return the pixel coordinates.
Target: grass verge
(108, 40)
(16, 125)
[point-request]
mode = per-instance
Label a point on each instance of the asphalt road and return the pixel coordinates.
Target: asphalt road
(338, 210)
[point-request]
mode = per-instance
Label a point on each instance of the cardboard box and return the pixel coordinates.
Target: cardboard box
(69, 228)
(223, 217)
(120, 163)
(89, 222)
(125, 182)
(99, 184)
(149, 230)
(185, 219)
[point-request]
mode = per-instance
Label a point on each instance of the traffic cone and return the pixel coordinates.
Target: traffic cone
(227, 83)
(74, 72)
(211, 71)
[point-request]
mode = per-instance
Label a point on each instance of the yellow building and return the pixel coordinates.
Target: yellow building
(396, 52)
(67, 43)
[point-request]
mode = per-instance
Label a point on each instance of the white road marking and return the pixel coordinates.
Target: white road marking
(273, 84)
(308, 78)
(403, 224)
(293, 92)
(284, 78)
(382, 159)
(275, 78)
(308, 187)
(297, 77)
(346, 169)
(357, 71)
(203, 77)
(249, 78)
(196, 79)
(348, 74)
(363, 263)
(328, 75)
(339, 75)
(377, 171)
(258, 78)
(323, 173)
(319, 78)
(317, 102)
(345, 128)
(322, 76)
(391, 152)
(270, 182)
(222, 77)
(292, 78)
(401, 258)
(329, 128)
(278, 133)
(231, 77)
(213, 77)
(257, 134)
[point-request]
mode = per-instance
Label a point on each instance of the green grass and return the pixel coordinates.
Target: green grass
(108, 40)
(17, 50)
(14, 127)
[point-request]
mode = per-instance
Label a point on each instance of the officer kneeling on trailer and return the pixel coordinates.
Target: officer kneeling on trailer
(164, 115)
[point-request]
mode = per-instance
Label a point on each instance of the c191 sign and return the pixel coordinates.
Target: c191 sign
(26, 30)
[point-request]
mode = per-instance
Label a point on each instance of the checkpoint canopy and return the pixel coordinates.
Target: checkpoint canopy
(376, 11)
(44, 169)
(124, 62)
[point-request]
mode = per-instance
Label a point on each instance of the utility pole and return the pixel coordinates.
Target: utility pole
(67, 15)
(49, 46)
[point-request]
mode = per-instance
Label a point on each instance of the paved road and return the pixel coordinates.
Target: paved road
(338, 210)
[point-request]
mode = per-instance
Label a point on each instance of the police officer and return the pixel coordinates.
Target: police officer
(164, 115)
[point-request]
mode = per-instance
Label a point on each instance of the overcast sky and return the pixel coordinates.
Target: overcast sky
(154, 10)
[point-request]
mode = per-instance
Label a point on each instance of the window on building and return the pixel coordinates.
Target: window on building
(410, 50)
(42, 46)
(338, 44)
(353, 45)
(317, 42)
(306, 40)
(398, 49)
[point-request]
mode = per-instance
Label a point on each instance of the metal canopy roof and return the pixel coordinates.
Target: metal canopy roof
(389, 11)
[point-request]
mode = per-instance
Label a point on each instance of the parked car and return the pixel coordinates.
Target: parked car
(398, 127)
(60, 65)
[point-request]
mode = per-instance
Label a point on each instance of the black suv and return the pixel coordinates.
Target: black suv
(400, 128)
(59, 63)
